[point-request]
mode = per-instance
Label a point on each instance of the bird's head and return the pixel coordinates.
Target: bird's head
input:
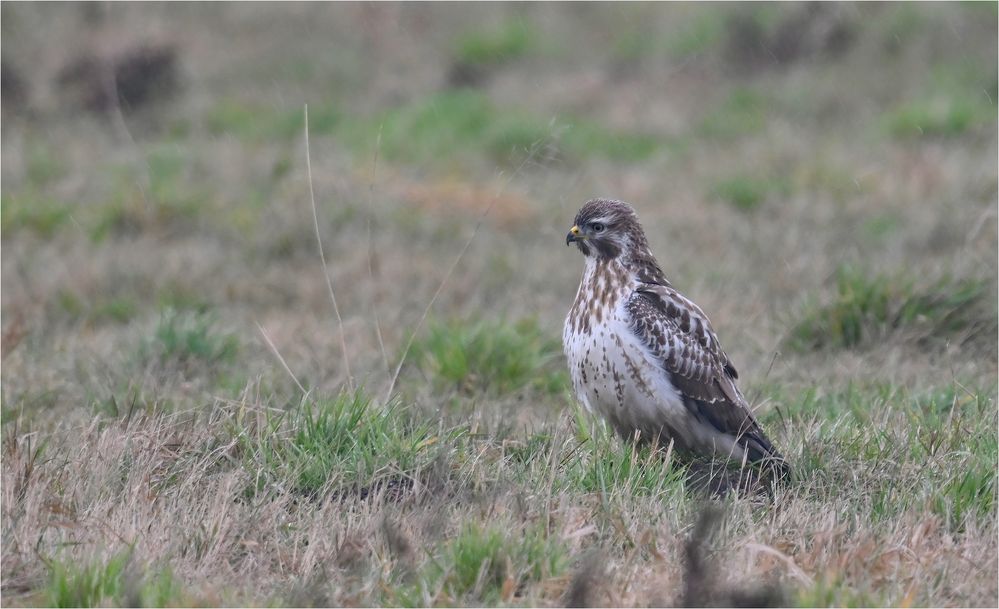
(605, 228)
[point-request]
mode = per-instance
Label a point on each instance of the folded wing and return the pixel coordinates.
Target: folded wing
(680, 337)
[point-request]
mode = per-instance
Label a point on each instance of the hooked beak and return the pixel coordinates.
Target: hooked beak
(574, 235)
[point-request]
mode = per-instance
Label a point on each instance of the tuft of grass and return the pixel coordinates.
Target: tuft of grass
(120, 309)
(107, 583)
(461, 120)
(345, 443)
(173, 206)
(611, 467)
(703, 33)
(832, 592)
(621, 467)
(116, 309)
(511, 41)
(180, 297)
(746, 193)
(900, 25)
(852, 400)
(486, 564)
(957, 98)
(881, 226)
(478, 557)
(742, 113)
(38, 214)
(867, 308)
(969, 494)
(938, 117)
(490, 357)
(177, 198)
(87, 586)
(190, 339)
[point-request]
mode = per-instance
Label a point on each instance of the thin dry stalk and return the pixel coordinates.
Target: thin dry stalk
(118, 120)
(371, 274)
(281, 359)
(322, 255)
(447, 276)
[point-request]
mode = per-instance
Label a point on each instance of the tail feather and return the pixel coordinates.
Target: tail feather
(761, 452)
(736, 421)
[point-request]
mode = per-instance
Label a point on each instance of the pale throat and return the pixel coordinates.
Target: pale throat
(605, 280)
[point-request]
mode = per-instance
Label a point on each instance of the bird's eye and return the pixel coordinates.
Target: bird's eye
(597, 227)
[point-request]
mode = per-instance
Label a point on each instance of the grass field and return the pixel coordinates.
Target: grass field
(822, 180)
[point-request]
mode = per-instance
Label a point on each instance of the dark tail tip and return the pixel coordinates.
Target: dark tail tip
(780, 470)
(761, 452)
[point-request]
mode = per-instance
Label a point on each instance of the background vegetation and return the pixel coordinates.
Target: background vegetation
(821, 179)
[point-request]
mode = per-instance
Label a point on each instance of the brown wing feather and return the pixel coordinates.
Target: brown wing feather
(680, 336)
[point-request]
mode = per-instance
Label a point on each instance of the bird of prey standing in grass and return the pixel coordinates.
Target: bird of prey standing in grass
(645, 357)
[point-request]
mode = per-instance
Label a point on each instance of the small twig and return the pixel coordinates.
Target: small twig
(322, 255)
(281, 359)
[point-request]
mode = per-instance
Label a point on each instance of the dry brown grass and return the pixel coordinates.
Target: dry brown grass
(172, 443)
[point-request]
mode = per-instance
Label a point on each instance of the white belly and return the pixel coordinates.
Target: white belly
(615, 375)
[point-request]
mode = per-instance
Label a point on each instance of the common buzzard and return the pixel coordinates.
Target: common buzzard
(644, 356)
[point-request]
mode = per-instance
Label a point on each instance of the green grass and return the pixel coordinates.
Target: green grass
(632, 46)
(704, 33)
(109, 583)
(168, 193)
(344, 444)
(971, 493)
(489, 556)
(746, 192)
(881, 226)
(901, 25)
(119, 309)
(742, 113)
(508, 42)
(832, 592)
(176, 295)
(190, 339)
(132, 212)
(490, 357)
(102, 309)
(959, 423)
(867, 308)
(611, 467)
(956, 98)
(30, 212)
(258, 123)
(431, 129)
(913, 451)
(938, 117)
(486, 565)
